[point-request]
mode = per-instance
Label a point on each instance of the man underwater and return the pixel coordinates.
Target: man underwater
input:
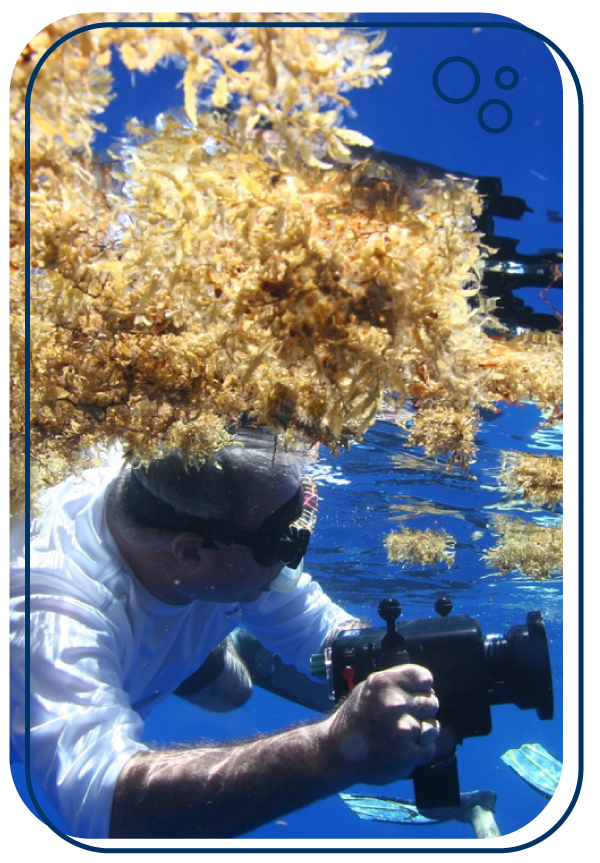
(137, 577)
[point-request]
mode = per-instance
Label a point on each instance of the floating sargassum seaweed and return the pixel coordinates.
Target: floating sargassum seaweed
(239, 260)
(411, 546)
(526, 547)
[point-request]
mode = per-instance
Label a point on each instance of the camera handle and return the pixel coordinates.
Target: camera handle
(436, 784)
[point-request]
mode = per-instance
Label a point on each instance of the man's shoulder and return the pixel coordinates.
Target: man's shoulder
(70, 535)
(80, 486)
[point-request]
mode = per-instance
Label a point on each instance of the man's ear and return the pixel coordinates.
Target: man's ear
(188, 550)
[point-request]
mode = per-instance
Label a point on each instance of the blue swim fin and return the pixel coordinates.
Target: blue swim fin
(536, 766)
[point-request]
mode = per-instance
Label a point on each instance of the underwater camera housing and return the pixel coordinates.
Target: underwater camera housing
(471, 672)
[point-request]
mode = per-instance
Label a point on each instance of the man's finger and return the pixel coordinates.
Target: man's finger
(413, 678)
(429, 732)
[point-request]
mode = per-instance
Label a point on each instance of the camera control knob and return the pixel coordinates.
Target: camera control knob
(392, 642)
(389, 610)
(443, 606)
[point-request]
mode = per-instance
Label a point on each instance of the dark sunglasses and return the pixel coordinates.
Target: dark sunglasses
(282, 538)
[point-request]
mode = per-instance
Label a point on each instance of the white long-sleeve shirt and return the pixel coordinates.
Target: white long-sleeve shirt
(104, 651)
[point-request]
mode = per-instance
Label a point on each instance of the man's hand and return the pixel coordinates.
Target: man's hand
(386, 727)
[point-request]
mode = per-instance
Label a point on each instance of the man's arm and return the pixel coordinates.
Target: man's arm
(226, 791)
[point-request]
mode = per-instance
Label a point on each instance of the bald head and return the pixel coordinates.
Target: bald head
(236, 484)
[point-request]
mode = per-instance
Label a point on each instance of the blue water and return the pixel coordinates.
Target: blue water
(375, 488)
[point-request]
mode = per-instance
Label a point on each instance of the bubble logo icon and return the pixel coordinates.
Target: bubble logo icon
(494, 130)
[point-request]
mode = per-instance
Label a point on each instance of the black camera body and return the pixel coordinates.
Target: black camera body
(471, 672)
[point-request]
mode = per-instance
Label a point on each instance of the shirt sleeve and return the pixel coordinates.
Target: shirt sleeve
(295, 625)
(82, 726)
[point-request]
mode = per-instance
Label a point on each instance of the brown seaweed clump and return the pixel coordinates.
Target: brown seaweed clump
(526, 547)
(238, 261)
(536, 479)
(301, 298)
(241, 259)
(420, 547)
(446, 431)
(528, 367)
